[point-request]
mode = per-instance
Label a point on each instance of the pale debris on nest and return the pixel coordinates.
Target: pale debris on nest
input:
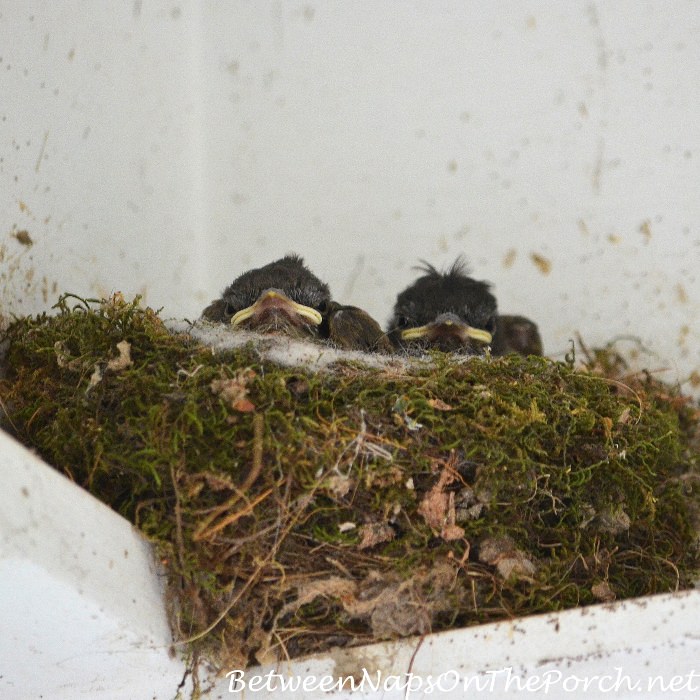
(438, 505)
(375, 533)
(280, 349)
(603, 591)
(502, 553)
(393, 607)
(235, 390)
(115, 364)
(292, 352)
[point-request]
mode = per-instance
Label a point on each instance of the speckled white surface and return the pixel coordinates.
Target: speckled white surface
(81, 598)
(645, 648)
(82, 616)
(164, 147)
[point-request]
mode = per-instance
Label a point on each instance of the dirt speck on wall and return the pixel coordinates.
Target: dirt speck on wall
(544, 265)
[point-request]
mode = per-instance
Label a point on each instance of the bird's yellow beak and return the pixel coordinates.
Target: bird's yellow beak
(274, 299)
(422, 331)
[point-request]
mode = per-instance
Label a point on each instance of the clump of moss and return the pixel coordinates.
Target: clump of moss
(297, 511)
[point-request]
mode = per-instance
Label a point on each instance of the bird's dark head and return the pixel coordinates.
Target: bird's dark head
(283, 295)
(351, 328)
(449, 311)
(516, 334)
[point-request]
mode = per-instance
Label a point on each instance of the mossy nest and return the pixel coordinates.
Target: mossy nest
(295, 511)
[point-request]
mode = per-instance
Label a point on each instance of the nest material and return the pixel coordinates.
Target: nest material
(297, 510)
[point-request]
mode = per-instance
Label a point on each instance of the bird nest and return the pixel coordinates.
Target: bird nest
(296, 509)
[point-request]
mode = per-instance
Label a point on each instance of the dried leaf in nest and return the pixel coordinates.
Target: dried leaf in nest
(375, 533)
(452, 532)
(392, 606)
(397, 608)
(467, 506)
(602, 591)
(116, 364)
(502, 553)
(439, 405)
(339, 485)
(307, 592)
(433, 508)
(95, 378)
(612, 521)
(235, 390)
(438, 506)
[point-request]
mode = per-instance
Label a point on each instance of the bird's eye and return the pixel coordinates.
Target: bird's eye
(490, 325)
(230, 309)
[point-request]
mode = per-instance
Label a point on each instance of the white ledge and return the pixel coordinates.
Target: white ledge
(81, 602)
(82, 615)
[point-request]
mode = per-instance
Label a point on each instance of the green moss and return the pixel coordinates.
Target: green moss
(301, 510)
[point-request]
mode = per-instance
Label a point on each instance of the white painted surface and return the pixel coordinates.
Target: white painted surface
(100, 160)
(644, 648)
(164, 147)
(81, 605)
(81, 616)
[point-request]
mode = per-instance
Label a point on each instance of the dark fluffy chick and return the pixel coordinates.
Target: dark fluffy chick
(286, 296)
(448, 310)
(282, 295)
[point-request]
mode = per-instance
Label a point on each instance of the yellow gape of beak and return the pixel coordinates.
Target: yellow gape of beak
(421, 331)
(274, 298)
(414, 333)
(479, 334)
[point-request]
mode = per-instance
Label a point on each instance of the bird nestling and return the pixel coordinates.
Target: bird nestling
(516, 334)
(351, 328)
(445, 310)
(285, 296)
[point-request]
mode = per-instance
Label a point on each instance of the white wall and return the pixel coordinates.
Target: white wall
(163, 147)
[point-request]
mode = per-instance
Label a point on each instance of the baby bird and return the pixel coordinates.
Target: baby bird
(516, 334)
(445, 310)
(285, 296)
(351, 328)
